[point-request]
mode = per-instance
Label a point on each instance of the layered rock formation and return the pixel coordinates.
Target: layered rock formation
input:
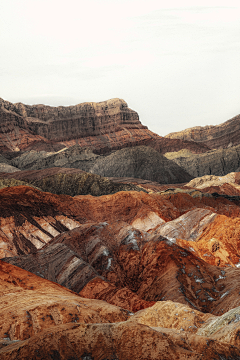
(220, 136)
(140, 162)
(102, 127)
(219, 162)
(158, 253)
(67, 181)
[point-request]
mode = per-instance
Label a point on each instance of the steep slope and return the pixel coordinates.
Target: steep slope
(224, 135)
(143, 267)
(42, 320)
(102, 127)
(30, 304)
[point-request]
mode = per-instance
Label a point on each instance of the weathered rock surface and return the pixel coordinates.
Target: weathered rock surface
(123, 341)
(102, 127)
(8, 168)
(70, 122)
(14, 132)
(30, 304)
(218, 162)
(140, 162)
(70, 182)
(131, 249)
(145, 267)
(213, 180)
(224, 135)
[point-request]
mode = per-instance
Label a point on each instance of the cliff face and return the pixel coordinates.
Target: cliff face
(103, 127)
(14, 132)
(70, 122)
(224, 135)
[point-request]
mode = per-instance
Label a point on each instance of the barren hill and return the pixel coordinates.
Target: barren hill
(224, 135)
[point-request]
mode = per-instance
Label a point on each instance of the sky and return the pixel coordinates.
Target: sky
(177, 63)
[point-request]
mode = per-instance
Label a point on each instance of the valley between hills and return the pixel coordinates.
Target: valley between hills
(117, 243)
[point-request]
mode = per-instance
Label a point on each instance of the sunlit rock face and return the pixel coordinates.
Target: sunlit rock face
(102, 127)
(41, 319)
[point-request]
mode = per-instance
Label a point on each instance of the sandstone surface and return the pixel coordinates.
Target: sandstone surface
(51, 322)
(157, 252)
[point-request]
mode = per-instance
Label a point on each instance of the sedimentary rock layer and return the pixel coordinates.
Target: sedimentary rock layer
(224, 135)
(102, 127)
(218, 162)
(141, 162)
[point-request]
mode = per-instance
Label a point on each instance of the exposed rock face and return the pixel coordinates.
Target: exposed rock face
(30, 304)
(224, 135)
(7, 168)
(164, 145)
(131, 249)
(68, 182)
(102, 127)
(219, 162)
(82, 120)
(139, 162)
(14, 132)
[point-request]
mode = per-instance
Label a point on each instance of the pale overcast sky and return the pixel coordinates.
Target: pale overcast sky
(177, 63)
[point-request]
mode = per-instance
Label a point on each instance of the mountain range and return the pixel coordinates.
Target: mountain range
(117, 243)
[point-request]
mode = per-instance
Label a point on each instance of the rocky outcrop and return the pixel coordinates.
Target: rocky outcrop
(224, 135)
(82, 120)
(30, 304)
(68, 182)
(40, 319)
(102, 127)
(7, 168)
(14, 132)
(157, 253)
(140, 162)
(219, 162)
(123, 341)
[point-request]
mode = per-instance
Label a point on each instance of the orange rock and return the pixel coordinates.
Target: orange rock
(102, 290)
(123, 341)
(219, 243)
(30, 304)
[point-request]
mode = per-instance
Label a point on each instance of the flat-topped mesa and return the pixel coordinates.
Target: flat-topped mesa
(82, 120)
(219, 136)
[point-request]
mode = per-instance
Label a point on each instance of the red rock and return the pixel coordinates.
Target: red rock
(30, 304)
(103, 127)
(103, 290)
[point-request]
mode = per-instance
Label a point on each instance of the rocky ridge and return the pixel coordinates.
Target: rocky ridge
(216, 162)
(102, 127)
(141, 162)
(215, 137)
